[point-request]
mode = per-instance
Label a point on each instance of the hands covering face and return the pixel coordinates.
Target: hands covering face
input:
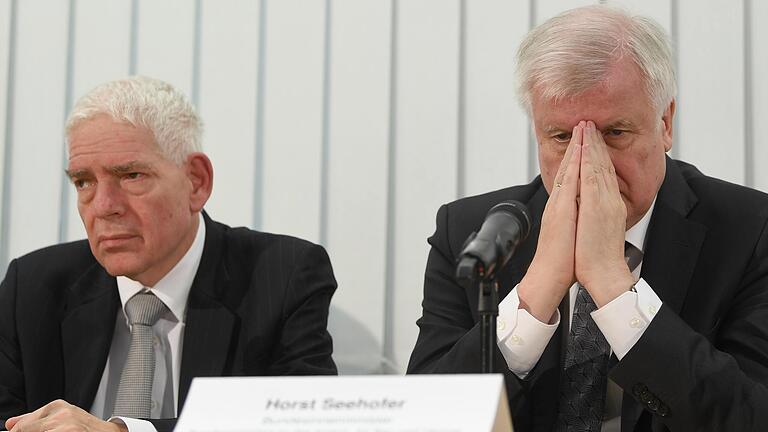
(582, 230)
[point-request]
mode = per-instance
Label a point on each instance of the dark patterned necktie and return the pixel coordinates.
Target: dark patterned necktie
(583, 385)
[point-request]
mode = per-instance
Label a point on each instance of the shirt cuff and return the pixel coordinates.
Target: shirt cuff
(624, 320)
(134, 425)
(520, 336)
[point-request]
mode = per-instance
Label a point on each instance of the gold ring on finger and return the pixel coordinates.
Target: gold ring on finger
(557, 185)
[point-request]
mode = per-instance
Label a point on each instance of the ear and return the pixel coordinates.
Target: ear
(200, 174)
(667, 121)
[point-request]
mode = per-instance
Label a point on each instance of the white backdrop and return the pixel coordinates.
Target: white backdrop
(346, 122)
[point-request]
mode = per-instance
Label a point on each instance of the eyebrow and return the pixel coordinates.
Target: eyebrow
(79, 173)
(551, 128)
(621, 124)
(115, 170)
(129, 167)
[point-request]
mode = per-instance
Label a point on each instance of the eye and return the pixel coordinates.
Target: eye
(562, 137)
(615, 132)
(81, 184)
(134, 175)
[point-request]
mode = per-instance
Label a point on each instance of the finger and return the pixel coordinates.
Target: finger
(11, 422)
(568, 152)
(570, 180)
(25, 418)
(603, 159)
(589, 179)
(599, 158)
(568, 173)
(41, 424)
(593, 137)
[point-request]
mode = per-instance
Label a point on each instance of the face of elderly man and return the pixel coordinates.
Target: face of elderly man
(637, 135)
(139, 208)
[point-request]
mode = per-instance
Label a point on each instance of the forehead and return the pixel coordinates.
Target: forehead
(620, 97)
(104, 138)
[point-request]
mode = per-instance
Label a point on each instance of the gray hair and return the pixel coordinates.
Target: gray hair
(147, 103)
(574, 51)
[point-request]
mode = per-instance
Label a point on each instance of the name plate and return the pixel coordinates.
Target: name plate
(382, 403)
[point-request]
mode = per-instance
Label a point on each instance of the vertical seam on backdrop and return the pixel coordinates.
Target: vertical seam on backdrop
(5, 206)
(258, 163)
(196, 47)
(325, 140)
(133, 48)
(68, 95)
(528, 126)
(675, 36)
(389, 278)
(749, 150)
(461, 150)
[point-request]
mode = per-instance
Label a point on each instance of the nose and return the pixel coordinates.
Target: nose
(108, 200)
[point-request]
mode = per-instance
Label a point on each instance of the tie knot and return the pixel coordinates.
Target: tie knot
(144, 309)
(632, 255)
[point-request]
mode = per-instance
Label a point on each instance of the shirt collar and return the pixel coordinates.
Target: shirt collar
(636, 235)
(173, 288)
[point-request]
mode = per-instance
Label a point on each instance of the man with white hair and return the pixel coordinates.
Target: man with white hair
(640, 300)
(117, 326)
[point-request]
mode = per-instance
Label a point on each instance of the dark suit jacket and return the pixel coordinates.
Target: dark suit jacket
(258, 306)
(702, 363)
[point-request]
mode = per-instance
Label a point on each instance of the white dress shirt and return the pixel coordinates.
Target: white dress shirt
(522, 338)
(173, 290)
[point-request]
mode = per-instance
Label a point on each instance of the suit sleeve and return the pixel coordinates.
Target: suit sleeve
(12, 388)
(305, 346)
(712, 381)
(163, 425)
(449, 335)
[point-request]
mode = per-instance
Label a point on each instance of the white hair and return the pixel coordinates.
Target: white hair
(145, 103)
(574, 51)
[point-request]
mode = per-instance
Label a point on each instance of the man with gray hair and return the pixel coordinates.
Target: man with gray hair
(117, 326)
(640, 300)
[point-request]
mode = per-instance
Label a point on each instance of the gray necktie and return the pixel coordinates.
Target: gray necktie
(134, 394)
(583, 385)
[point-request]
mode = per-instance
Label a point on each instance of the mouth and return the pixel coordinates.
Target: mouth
(115, 240)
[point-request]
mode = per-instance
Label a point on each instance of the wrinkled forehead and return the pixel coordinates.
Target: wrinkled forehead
(102, 136)
(621, 97)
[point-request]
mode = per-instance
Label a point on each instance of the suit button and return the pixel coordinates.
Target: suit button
(639, 388)
(646, 396)
(663, 410)
(653, 404)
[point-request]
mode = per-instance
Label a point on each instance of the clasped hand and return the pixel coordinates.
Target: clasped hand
(60, 416)
(582, 230)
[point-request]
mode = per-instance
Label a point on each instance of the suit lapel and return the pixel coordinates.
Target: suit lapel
(209, 326)
(673, 242)
(672, 249)
(86, 334)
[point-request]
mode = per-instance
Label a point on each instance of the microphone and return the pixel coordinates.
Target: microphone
(506, 225)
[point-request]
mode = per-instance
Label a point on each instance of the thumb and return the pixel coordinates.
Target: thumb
(11, 422)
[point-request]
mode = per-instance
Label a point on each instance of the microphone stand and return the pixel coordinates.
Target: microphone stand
(471, 269)
(488, 309)
(484, 253)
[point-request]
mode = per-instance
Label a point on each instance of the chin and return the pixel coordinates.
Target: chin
(120, 266)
